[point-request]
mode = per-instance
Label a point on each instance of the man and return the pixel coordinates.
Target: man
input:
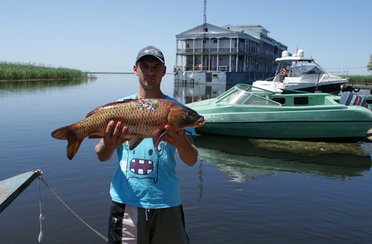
(146, 205)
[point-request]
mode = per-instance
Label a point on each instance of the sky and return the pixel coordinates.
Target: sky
(106, 35)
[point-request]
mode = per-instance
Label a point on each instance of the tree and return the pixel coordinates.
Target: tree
(369, 66)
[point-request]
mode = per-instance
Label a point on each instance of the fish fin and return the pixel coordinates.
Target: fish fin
(72, 148)
(64, 133)
(107, 105)
(68, 133)
(133, 142)
(157, 136)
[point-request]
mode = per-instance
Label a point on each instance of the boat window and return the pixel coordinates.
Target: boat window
(305, 69)
(258, 100)
(280, 100)
(237, 97)
(301, 100)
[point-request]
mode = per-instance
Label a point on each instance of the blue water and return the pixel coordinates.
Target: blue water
(238, 192)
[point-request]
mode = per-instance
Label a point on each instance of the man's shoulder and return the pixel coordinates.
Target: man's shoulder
(133, 96)
(173, 99)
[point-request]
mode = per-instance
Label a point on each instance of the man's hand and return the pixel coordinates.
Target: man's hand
(115, 135)
(184, 144)
(174, 136)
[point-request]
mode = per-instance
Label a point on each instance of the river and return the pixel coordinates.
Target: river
(240, 191)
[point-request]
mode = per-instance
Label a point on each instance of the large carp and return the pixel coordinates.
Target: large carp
(144, 118)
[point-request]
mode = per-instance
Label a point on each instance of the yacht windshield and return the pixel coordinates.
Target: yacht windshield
(311, 68)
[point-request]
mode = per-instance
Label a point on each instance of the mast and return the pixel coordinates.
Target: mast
(204, 40)
(205, 13)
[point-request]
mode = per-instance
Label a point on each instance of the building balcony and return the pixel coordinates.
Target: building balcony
(214, 51)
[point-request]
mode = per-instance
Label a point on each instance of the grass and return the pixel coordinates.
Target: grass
(360, 79)
(25, 71)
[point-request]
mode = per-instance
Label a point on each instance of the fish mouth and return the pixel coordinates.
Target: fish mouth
(200, 122)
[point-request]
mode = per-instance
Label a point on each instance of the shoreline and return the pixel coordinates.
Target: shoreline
(50, 79)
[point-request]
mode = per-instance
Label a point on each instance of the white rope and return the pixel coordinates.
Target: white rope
(64, 204)
(41, 217)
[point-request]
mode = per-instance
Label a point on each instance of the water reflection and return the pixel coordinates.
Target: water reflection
(192, 92)
(7, 87)
(201, 181)
(244, 159)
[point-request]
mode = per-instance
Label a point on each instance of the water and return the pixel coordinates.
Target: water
(240, 191)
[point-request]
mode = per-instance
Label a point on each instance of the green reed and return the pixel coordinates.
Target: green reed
(25, 71)
(360, 79)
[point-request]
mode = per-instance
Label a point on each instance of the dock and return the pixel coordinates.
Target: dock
(10, 188)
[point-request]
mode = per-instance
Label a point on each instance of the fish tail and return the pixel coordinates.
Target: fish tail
(73, 142)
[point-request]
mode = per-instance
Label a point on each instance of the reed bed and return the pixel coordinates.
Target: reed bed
(360, 79)
(26, 71)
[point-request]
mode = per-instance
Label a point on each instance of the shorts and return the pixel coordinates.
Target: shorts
(128, 224)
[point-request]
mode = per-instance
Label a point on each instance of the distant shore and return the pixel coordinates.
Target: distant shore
(360, 79)
(10, 71)
(29, 72)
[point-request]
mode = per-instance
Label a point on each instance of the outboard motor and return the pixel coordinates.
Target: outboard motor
(351, 99)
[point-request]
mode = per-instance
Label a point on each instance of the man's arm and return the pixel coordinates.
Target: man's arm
(184, 144)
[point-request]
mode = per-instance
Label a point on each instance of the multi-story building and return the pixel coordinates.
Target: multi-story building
(228, 54)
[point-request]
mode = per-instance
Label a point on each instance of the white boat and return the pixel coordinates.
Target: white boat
(300, 73)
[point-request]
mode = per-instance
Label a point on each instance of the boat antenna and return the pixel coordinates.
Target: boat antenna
(205, 12)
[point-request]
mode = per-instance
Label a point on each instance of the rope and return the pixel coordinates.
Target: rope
(41, 217)
(68, 208)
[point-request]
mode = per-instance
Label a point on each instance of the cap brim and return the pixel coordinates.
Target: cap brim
(149, 55)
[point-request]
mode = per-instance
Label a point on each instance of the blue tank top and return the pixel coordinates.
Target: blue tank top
(145, 176)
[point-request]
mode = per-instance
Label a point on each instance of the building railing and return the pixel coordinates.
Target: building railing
(225, 51)
(185, 51)
(200, 68)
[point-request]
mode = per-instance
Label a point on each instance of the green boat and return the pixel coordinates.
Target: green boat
(251, 112)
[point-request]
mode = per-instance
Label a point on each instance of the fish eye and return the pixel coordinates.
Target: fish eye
(192, 114)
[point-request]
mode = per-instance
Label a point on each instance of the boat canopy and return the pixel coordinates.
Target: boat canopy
(243, 94)
(294, 59)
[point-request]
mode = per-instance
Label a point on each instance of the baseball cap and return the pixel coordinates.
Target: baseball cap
(150, 51)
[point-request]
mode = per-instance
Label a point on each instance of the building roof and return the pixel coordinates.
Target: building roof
(251, 32)
(254, 30)
(208, 30)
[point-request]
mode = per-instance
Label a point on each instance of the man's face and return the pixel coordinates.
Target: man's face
(150, 72)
